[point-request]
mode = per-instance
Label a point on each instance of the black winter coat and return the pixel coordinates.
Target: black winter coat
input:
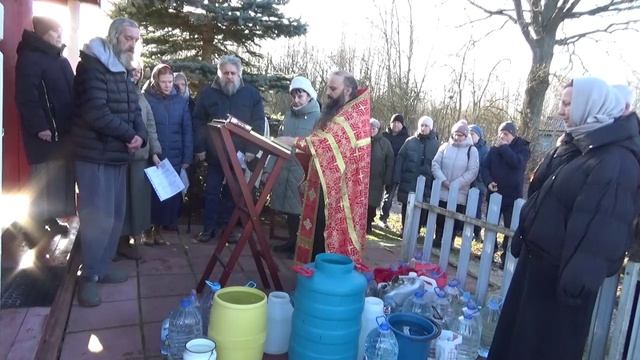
(505, 165)
(414, 159)
(396, 140)
(44, 95)
(381, 173)
(245, 105)
(107, 114)
(173, 125)
(584, 198)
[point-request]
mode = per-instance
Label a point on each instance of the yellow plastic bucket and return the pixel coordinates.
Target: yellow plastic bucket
(238, 323)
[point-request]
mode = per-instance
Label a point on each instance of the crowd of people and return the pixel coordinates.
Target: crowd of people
(98, 129)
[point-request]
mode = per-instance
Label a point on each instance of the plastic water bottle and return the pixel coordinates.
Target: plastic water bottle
(489, 315)
(381, 343)
(469, 329)
(184, 324)
(372, 286)
(206, 302)
(441, 309)
(418, 303)
(454, 294)
(164, 336)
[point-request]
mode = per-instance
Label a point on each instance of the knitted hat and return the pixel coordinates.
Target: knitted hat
(301, 82)
(509, 127)
(460, 127)
(476, 129)
(42, 25)
(427, 121)
(397, 117)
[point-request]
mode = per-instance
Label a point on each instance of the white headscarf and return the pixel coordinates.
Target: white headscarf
(594, 104)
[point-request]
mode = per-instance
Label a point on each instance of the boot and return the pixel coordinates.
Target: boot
(147, 237)
(157, 236)
(88, 293)
(128, 250)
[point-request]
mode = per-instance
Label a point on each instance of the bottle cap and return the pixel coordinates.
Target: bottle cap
(185, 302)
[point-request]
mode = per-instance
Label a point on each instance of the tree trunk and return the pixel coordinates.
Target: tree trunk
(537, 85)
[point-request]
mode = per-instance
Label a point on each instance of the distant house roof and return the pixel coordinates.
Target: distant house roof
(551, 124)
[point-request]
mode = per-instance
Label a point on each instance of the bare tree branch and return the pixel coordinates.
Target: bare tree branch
(611, 28)
(500, 12)
(524, 27)
(612, 7)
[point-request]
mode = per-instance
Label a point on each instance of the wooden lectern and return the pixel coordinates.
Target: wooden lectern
(222, 133)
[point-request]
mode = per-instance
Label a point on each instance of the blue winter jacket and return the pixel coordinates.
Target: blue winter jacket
(173, 125)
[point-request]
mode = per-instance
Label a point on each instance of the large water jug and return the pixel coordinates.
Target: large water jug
(418, 303)
(185, 324)
(206, 301)
(239, 323)
(397, 297)
(381, 343)
(469, 329)
(328, 304)
(489, 315)
(279, 313)
(373, 308)
(441, 309)
(454, 294)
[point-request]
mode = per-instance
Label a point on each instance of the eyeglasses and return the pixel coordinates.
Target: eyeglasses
(459, 134)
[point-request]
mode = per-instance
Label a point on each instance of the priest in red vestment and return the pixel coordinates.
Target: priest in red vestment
(335, 194)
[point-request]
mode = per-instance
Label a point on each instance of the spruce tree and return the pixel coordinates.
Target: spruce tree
(192, 34)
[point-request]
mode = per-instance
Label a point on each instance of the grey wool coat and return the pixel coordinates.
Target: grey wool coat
(285, 195)
(381, 173)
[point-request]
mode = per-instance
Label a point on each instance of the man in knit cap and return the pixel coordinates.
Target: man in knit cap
(503, 171)
(44, 96)
(397, 134)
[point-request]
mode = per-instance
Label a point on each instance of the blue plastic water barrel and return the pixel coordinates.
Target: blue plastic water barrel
(327, 310)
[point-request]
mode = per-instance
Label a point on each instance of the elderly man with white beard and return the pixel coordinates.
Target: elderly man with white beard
(227, 95)
(107, 128)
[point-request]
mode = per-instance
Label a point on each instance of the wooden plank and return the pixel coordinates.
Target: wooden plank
(447, 232)
(431, 221)
(409, 247)
(50, 343)
(452, 214)
(409, 235)
(467, 237)
(511, 262)
(601, 319)
(493, 217)
(623, 313)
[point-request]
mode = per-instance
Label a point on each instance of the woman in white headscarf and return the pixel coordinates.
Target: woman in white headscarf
(574, 229)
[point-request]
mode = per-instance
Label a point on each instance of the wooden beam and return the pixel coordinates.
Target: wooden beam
(50, 343)
(464, 218)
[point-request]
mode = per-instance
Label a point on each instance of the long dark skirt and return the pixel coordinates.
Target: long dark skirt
(166, 212)
(52, 186)
(534, 324)
(138, 214)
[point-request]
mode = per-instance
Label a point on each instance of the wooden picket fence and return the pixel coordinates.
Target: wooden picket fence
(607, 335)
